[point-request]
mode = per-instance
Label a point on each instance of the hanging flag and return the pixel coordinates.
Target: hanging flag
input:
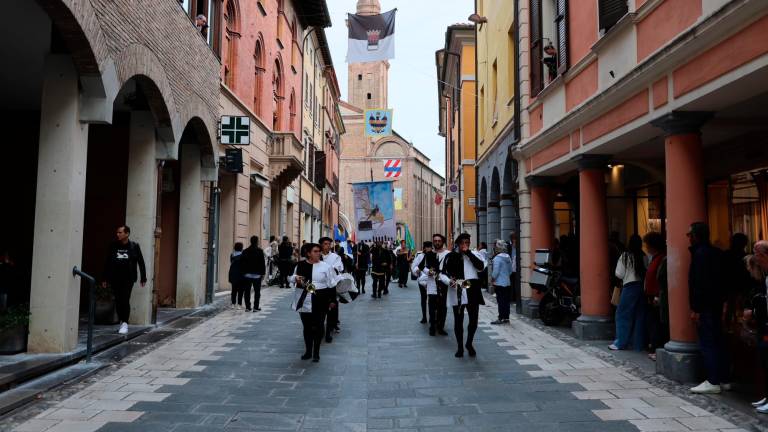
(371, 37)
(374, 211)
(399, 199)
(378, 123)
(409, 239)
(393, 168)
(438, 199)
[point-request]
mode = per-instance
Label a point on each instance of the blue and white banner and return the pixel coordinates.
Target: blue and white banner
(374, 211)
(371, 37)
(378, 123)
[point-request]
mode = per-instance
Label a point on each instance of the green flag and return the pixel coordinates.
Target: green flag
(409, 239)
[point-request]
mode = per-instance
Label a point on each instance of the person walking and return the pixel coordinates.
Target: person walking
(272, 256)
(706, 298)
(381, 260)
(439, 301)
(285, 261)
(120, 273)
(630, 313)
(392, 269)
(657, 334)
(501, 279)
(461, 272)
(314, 281)
(334, 260)
(362, 256)
(757, 313)
(403, 258)
(416, 270)
(429, 270)
(253, 271)
(236, 276)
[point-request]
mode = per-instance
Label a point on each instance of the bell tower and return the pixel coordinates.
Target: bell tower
(367, 82)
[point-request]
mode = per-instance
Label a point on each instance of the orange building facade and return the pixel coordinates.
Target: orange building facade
(643, 117)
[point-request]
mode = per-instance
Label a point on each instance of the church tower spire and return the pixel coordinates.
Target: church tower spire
(368, 82)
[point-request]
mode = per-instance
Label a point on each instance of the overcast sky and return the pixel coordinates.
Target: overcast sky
(419, 32)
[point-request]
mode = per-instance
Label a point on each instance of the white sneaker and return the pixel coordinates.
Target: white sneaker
(706, 388)
(763, 409)
(760, 403)
(123, 328)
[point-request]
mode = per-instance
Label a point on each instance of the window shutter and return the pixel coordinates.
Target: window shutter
(319, 169)
(537, 67)
(611, 12)
(561, 29)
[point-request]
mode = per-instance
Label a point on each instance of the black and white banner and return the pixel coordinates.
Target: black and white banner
(371, 37)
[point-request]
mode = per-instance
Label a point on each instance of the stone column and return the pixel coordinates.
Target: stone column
(482, 225)
(190, 290)
(141, 206)
(59, 211)
(595, 321)
(508, 215)
(542, 230)
(494, 223)
(686, 203)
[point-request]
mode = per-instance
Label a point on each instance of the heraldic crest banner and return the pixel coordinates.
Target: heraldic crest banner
(374, 211)
(371, 37)
(378, 123)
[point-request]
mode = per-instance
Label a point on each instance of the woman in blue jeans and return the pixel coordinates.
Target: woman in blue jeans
(630, 314)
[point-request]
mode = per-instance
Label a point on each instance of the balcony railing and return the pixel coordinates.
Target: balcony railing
(286, 155)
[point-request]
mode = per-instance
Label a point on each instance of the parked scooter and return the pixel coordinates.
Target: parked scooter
(561, 297)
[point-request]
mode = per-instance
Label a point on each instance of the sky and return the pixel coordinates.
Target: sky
(419, 32)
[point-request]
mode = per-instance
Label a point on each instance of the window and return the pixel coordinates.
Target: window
(359, 77)
(277, 91)
(549, 41)
(511, 62)
(611, 12)
(537, 71)
(231, 35)
(258, 59)
(368, 96)
(292, 110)
(561, 30)
(481, 114)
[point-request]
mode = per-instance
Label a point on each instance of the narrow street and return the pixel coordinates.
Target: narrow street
(241, 371)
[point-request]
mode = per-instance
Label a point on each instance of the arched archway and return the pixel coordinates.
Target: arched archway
(494, 214)
(482, 212)
(510, 213)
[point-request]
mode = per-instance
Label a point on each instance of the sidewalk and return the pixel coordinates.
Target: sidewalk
(730, 405)
(24, 376)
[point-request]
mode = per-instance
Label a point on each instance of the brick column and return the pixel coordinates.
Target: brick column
(686, 203)
(595, 321)
(542, 230)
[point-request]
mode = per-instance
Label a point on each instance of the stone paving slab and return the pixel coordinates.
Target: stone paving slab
(241, 371)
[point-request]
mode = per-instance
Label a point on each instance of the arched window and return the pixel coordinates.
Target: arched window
(292, 111)
(277, 91)
(231, 35)
(258, 58)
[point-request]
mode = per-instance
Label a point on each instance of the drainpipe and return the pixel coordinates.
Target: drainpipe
(477, 132)
(158, 235)
(518, 260)
(213, 240)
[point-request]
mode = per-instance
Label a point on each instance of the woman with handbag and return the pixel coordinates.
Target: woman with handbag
(315, 289)
(658, 334)
(630, 313)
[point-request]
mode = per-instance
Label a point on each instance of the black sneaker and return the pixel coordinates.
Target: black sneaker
(423, 321)
(497, 322)
(431, 332)
(442, 332)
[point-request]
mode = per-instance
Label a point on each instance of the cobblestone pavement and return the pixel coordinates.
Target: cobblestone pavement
(241, 372)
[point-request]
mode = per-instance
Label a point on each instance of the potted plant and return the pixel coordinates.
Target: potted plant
(14, 328)
(105, 306)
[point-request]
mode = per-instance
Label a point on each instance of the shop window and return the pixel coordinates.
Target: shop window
(611, 12)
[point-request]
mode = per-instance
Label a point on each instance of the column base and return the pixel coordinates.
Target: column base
(594, 328)
(679, 361)
(530, 308)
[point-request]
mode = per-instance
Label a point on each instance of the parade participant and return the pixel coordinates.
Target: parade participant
(380, 263)
(314, 279)
(416, 268)
(428, 275)
(334, 260)
(461, 272)
(362, 256)
(403, 257)
(438, 302)
(392, 269)
(285, 261)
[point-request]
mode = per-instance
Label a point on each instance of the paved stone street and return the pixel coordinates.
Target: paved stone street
(241, 371)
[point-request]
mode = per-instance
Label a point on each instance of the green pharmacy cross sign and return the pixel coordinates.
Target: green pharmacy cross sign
(235, 130)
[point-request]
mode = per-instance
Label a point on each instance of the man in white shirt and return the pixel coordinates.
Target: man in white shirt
(437, 304)
(416, 269)
(334, 260)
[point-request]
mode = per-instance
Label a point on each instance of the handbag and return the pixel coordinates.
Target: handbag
(616, 296)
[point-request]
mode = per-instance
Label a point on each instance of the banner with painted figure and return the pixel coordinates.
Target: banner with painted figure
(371, 37)
(378, 123)
(374, 211)
(399, 199)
